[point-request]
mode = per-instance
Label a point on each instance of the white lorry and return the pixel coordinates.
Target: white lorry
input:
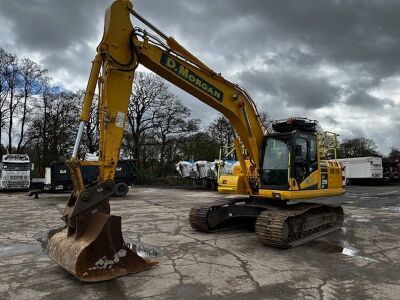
(15, 172)
(363, 168)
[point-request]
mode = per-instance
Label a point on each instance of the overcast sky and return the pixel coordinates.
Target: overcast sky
(334, 61)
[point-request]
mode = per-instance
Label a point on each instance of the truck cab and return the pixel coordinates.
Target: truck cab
(15, 172)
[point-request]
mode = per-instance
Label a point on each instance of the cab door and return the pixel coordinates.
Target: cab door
(305, 160)
(275, 162)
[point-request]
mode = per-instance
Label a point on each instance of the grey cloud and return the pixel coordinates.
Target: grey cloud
(59, 31)
(293, 56)
(262, 81)
(331, 120)
(309, 92)
(53, 25)
(360, 33)
(295, 90)
(366, 101)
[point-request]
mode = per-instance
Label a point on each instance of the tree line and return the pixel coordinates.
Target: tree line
(362, 147)
(41, 119)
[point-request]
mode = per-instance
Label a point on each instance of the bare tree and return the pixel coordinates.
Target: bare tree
(4, 90)
(11, 73)
(90, 137)
(357, 147)
(222, 132)
(394, 154)
(198, 146)
(8, 86)
(147, 90)
(32, 77)
(52, 128)
(172, 124)
(265, 120)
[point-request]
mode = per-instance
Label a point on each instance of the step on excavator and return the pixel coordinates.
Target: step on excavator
(276, 169)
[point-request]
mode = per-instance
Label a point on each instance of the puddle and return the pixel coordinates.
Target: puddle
(19, 249)
(390, 194)
(144, 250)
(347, 202)
(359, 218)
(342, 247)
(328, 248)
(351, 251)
(395, 209)
(352, 196)
(38, 249)
(44, 236)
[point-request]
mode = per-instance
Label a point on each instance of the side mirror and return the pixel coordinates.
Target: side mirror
(32, 166)
(298, 150)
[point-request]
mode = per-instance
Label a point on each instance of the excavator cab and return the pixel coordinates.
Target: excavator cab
(291, 167)
(285, 156)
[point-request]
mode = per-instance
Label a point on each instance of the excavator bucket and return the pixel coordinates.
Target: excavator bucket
(95, 250)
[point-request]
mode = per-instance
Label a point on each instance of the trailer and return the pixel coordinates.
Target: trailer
(363, 169)
(57, 177)
(204, 172)
(15, 172)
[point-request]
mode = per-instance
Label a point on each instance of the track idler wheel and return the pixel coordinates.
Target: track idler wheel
(95, 250)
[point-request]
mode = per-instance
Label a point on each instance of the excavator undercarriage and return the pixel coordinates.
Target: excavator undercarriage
(277, 225)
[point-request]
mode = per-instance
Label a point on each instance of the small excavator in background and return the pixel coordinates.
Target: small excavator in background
(278, 168)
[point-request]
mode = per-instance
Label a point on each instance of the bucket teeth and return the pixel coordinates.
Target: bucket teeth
(95, 250)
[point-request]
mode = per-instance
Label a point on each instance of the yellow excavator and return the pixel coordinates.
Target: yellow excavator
(278, 168)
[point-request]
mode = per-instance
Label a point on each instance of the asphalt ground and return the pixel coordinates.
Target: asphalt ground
(360, 261)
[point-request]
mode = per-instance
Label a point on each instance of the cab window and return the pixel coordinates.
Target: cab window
(275, 162)
(301, 160)
(313, 156)
(306, 158)
(301, 150)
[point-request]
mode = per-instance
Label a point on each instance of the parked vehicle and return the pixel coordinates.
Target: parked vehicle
(204, 172)
(363, 169)
(185, 169)
(15, 172)
(391, 171)
(37, 183)
(57, 177)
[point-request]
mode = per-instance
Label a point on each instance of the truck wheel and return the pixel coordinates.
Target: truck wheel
(121, 189)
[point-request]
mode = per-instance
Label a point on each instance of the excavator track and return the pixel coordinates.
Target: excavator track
(198, 218)
(298, 224)
(281, 227)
